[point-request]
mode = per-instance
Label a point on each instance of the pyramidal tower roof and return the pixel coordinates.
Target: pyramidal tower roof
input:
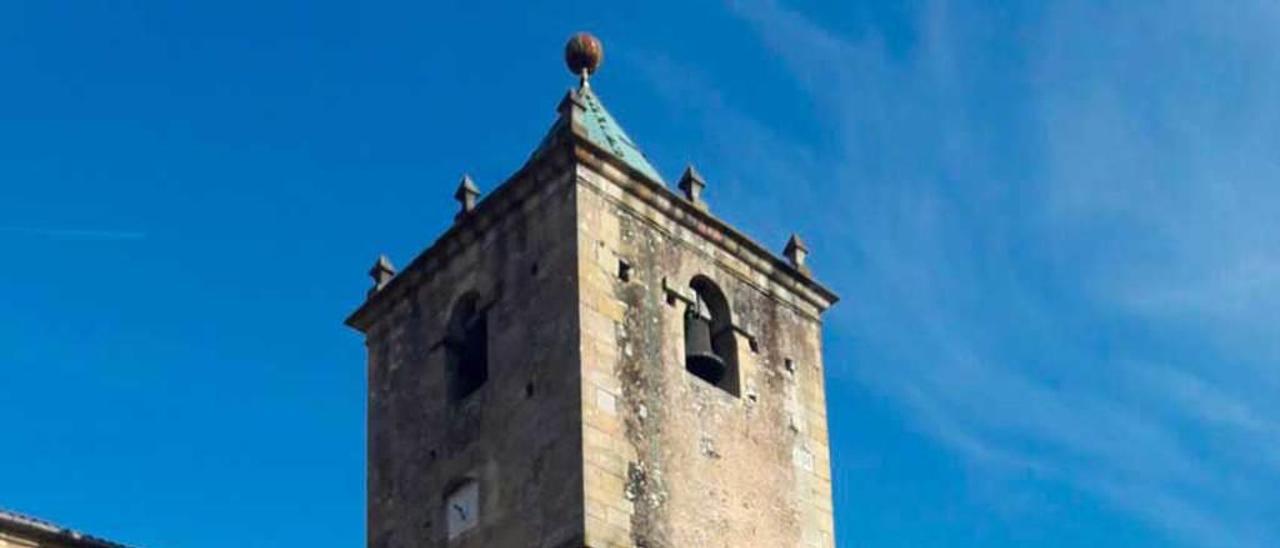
(582, 112)
(604, 131)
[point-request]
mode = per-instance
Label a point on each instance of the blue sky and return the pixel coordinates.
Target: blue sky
(1053, 225)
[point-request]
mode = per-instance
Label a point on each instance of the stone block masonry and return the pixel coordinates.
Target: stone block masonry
(529, 374)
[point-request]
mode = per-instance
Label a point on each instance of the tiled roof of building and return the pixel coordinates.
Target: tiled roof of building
(27, 527)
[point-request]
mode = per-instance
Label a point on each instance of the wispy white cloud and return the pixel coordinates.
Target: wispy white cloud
(1063, 247)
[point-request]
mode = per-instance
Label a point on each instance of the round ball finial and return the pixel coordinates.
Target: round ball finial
(583, 54)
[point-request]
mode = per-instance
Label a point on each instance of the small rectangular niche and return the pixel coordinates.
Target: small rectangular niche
(624, 270)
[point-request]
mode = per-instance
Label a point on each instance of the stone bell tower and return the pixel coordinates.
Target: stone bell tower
(587, 358)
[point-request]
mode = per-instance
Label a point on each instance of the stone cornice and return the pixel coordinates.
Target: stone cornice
(566, 146)
(706, 225)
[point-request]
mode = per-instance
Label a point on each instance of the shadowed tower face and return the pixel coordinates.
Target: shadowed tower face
(587, 358)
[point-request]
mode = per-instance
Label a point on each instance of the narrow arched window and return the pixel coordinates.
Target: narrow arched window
(467, 347)
(711, 347)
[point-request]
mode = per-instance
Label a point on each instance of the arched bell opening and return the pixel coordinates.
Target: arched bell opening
(466, 346)
(711, 348)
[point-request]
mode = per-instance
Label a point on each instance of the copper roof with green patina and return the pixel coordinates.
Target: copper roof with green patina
(604, 131)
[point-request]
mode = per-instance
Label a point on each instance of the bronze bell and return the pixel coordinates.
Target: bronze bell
(700, 359)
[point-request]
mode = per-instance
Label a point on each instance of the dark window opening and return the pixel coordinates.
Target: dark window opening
(624, 271)
(711, 346)
(467, 345)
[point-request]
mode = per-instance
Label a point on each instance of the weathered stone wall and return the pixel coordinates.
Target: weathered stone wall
(589, 431)
(10, 539)
(15, 541)
(671, 460)
(519, 435)
(17, 531)
(19, 540)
